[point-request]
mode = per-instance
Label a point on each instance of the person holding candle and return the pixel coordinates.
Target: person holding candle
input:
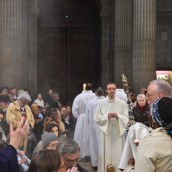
(79, 111)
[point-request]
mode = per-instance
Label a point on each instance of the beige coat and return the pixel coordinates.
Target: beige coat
(13, 114)
(136, 131)
(155, 153)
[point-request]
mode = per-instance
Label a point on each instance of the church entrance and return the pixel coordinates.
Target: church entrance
(68, 46)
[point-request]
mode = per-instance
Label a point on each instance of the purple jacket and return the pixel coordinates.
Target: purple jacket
(8, 159)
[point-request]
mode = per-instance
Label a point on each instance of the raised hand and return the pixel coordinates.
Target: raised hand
(73, 169)
(17, 136)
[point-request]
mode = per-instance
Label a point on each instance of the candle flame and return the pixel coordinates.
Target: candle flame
(84, 87)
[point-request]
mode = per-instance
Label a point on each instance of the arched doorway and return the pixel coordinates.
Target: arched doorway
(68, 46)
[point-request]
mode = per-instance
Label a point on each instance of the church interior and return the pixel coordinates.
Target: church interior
(65, 43)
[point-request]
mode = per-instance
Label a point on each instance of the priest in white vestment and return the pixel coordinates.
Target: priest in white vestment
(112, 118)
(79, 108)
(93, 129)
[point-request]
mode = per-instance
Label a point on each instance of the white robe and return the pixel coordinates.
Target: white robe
(120, 93)
(112, 140)
(136, 131)
(93, 129)
(81, 130)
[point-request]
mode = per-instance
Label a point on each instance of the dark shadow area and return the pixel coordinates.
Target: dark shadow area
(68, 46)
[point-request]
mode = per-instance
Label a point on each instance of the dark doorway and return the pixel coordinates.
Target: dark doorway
(68, 46)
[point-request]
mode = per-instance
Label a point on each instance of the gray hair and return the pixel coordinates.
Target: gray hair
(67, 146)
(163, 86)
(24, 96)
(141, 96)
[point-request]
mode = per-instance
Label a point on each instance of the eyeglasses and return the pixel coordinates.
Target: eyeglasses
(67, 161)
(148, 94)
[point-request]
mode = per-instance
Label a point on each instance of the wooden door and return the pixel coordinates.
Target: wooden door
(68, 52)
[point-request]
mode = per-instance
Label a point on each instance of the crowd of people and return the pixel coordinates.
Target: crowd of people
(115, 127)
(48, 121)
(118, 131)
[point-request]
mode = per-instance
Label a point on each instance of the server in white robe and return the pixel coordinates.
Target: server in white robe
(93, 129)
(79, 110)
(111, 116)
(120, 93)
(136, 132)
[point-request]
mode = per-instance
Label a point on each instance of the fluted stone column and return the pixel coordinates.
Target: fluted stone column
(105, 40)
(144, 42)
(123, 40)
(13, 43)
(33, 12)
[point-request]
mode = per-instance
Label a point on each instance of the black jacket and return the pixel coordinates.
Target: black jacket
(141, 116)
(80, 169)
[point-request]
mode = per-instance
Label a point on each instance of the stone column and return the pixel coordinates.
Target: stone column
(13, 43)
(144, 42)
(33, 12)
(123, 40)
(106, 54)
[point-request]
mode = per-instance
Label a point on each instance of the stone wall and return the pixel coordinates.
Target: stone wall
(164, 35)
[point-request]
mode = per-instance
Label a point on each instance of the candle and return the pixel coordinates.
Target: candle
(136, 142)
(84, 87)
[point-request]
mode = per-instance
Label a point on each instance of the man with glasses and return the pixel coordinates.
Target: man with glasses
(70, 152)
(157, 89)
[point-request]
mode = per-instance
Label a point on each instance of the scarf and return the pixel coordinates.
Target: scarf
(155, 114)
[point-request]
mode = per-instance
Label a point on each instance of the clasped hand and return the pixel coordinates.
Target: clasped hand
(112, 115)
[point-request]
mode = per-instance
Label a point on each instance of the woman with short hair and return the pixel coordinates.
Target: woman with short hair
(49, 161)
(18, 109)
(141, 111)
